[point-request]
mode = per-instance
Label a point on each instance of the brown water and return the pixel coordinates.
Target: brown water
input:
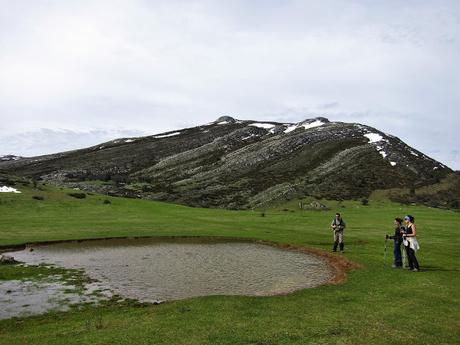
(152, 269)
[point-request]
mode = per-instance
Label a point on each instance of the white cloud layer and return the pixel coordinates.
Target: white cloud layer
(51, 141)
(152, 66)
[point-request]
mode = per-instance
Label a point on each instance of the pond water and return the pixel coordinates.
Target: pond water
(24, 297)
(150, 270)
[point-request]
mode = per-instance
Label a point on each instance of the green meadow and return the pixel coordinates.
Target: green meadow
(375, 305)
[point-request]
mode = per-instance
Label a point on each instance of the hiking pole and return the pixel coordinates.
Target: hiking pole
(403, 256)
(385, 251)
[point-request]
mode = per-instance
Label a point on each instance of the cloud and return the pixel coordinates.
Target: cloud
(42, 141)
(154, 66)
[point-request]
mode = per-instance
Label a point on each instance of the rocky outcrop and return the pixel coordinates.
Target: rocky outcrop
(225, 119)
(7, 158)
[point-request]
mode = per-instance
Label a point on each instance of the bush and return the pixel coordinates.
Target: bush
(106, 202)
(147, 188)
(77, 195)
(38, 197)
(364, 202)
(119, 179)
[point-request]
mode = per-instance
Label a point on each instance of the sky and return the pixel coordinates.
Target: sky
(77, 73)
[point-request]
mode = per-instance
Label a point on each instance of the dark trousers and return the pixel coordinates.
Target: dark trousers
(413, 263)
(397, 254)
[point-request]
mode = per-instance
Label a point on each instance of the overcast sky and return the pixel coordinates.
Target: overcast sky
(75, 73)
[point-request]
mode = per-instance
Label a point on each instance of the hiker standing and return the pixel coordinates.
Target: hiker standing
(410, 242)
(338, 225)
(397, 239)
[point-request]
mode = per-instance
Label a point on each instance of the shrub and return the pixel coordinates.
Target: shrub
(147, 188)
(106, 202)
(454, 204)
(77, 195)
(364, 202)
(38, 197)
(119, 179)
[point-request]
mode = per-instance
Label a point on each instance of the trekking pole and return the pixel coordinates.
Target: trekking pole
(385, 251)
(403, 256)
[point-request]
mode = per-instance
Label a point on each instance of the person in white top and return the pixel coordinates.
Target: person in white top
(410, 242)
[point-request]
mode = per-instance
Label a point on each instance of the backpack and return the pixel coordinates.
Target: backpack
(335, 221)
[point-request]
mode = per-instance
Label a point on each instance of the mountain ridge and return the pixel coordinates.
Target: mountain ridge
(240, 163)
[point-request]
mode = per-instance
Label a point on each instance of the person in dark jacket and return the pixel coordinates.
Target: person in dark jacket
(397, 240)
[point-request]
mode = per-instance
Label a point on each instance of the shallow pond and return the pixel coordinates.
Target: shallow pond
(149, 269)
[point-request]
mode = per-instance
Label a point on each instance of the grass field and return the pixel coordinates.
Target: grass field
(376, 305)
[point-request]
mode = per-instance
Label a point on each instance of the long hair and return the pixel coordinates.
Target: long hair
(411, 218)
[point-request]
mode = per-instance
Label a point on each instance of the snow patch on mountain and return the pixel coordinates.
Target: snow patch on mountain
(248, 137)
(262, 125)
(381, 150)
(167, 135)
(6, 189)
(305, 125)
(373, 137)
(291, 128)
(313, 124)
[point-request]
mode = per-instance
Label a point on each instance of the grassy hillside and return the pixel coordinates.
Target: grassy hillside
(375, 305)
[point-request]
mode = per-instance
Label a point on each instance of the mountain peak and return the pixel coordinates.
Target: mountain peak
(225, 119)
